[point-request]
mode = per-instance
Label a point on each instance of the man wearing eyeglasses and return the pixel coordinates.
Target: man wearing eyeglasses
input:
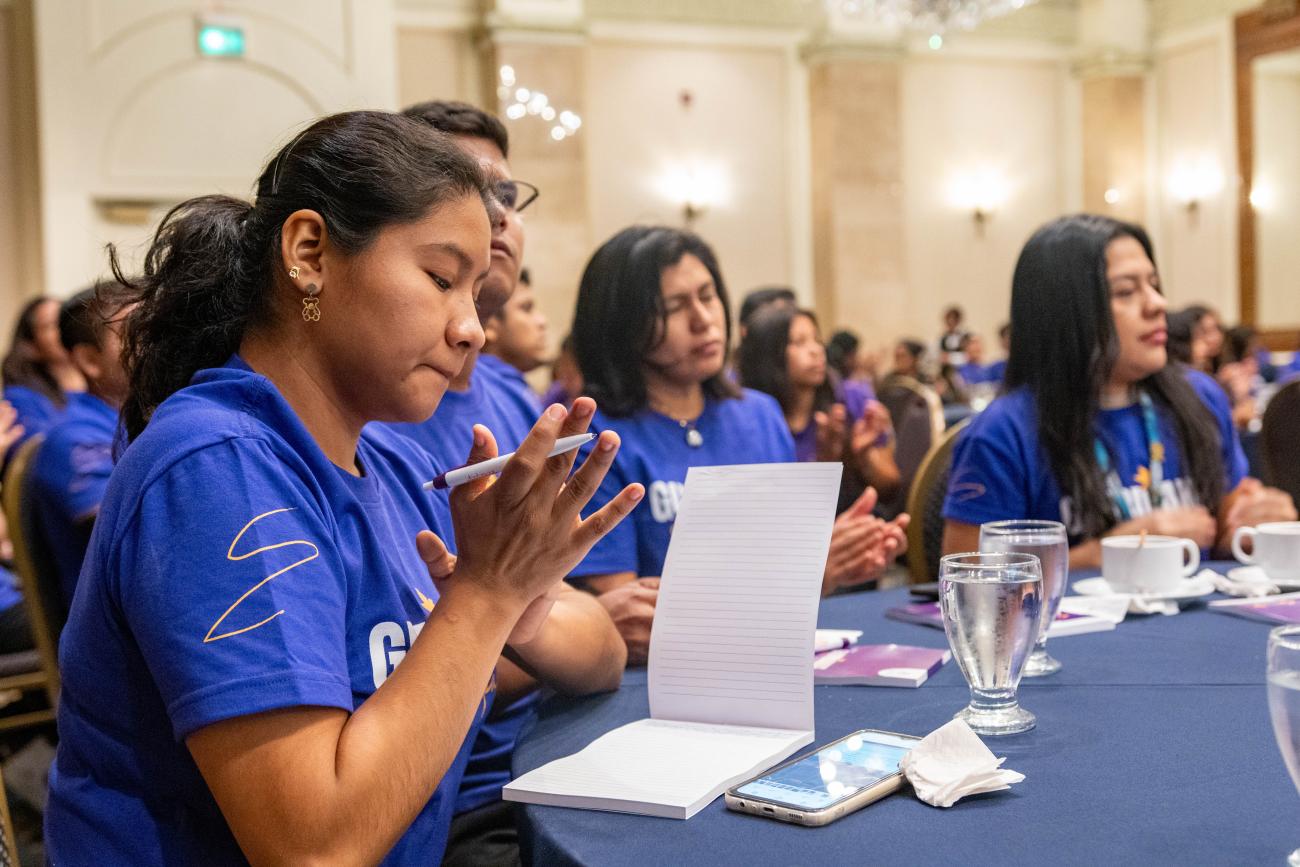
(483, 831)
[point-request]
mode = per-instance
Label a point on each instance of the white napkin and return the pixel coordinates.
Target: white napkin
(835, 639)
(950, 763)
(1236, 587)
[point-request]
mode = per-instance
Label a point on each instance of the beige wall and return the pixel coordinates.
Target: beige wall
(1277, 190)
(732, 136)
(129, 113)
(437, 64)
(1196, 157)
(970, 123)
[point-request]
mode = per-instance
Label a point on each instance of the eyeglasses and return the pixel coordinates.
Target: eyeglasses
(515, 195)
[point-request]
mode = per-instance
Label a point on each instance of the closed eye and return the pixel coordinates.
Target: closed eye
(442, 284)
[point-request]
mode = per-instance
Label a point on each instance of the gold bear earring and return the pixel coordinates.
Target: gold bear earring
(294, 272)
(311, 304)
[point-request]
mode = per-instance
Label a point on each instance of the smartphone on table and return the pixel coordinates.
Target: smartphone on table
(831, 782)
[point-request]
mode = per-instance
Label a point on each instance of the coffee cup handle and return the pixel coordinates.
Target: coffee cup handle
(1241, 555)
(1193, 558)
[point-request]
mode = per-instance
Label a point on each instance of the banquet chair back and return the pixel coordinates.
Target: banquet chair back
(925, 505)
(40, 585)
(1280, 440)
(917, 416)
(8, 842)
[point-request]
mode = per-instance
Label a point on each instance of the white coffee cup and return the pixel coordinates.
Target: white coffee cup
(1276, 550)
(1148, 564)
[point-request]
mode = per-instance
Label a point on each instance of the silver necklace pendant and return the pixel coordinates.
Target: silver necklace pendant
(693, 438)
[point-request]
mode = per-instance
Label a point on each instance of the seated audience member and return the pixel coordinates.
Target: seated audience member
(263, 561)
(15, 632)
(492, 393)
(974, 371)
(1096, 428)
(761, 299)
(72, 466)
(651, 329)
(953, 336)
(1207, 337)
(997, 371)
(843, 355)
(566, 376)
(782, 356)
(908, 357)
(1239, 373)
(515, 343)
(38, 375)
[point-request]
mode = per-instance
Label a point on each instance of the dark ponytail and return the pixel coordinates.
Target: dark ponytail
(209, 273)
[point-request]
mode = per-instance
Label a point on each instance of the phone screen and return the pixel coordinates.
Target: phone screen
(832, 773)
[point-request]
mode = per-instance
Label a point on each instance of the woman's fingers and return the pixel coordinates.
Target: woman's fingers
(555, 470)
(434, 553)
(483, 448)
(583, 484)
(519, 476)
(600, 522)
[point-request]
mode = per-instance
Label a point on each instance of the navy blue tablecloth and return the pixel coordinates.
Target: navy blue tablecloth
(1153, 746)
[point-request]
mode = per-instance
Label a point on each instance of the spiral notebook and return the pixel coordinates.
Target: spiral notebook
(731, 690)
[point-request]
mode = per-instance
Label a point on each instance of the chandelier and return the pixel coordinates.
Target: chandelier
(934, 16)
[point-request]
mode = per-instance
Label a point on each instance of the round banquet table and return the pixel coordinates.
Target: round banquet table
(1153, 746)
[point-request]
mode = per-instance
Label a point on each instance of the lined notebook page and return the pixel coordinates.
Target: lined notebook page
(733, 627)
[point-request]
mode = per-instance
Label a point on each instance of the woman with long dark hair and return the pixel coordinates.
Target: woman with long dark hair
(782, 355)
(38, 374)
(1097, 428)
(261, 564)
(651, 330)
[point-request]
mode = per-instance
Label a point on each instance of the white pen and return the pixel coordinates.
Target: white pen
(461, 475)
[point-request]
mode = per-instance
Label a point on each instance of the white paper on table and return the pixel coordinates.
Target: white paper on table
(731, 690)
(1112, 608)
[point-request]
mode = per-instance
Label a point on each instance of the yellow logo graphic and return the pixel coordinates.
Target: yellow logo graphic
(425, 602)
(1143, 478)
(231, 555)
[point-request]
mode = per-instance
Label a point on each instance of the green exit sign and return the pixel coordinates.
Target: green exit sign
(220, 40)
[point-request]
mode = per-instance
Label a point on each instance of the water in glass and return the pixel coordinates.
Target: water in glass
(1284, 701)
(1047, 541)
(992, 604)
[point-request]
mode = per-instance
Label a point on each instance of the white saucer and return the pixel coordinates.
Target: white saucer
(1192, 588)
(1256, 575)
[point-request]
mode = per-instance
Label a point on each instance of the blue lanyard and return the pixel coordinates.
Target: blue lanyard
(1156, 455)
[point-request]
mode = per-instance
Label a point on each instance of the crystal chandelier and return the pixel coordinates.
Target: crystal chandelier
(934, 16)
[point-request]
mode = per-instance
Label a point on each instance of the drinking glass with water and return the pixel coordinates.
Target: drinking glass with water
(1047, 541)
(992, 604)
(1284, 701)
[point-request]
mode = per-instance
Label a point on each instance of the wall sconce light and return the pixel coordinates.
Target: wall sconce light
(1261, 195)
(694, 189)
(524, 102)
(1192, 182)
(979, 193)
(1111, 196)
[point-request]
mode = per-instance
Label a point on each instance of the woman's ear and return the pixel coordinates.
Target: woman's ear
(303, 238)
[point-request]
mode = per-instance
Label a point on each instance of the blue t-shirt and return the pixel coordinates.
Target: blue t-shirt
(36, 413)
(749, 429)
(69, 476)
(975, 374)
(997, 371)
(233, 569)
(1001, 472)
(854, 394)
(447, 437)
(516, 393)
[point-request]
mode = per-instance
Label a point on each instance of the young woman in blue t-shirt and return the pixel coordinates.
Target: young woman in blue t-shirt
(782, 355)
(261, 565)
(1097, 427)
(651, 331)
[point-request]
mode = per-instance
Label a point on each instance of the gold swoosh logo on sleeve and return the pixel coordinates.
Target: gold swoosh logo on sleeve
(231, 555)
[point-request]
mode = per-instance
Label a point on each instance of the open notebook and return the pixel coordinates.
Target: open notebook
(731, 690)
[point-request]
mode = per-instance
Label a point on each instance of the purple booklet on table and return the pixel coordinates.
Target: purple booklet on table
(928, 614)
(878, 665)
(1284, 611)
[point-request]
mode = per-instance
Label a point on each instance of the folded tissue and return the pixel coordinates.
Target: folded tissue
(952, 762)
